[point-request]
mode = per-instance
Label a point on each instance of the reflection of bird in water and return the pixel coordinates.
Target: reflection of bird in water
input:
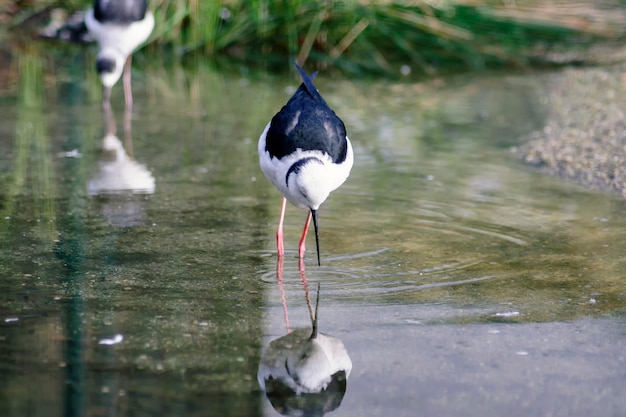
(119, 27)
(121, 182)
(305, 372)
(117, 172)
(305, 153)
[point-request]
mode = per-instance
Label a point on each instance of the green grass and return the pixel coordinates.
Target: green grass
(32, 172)
(369, 37)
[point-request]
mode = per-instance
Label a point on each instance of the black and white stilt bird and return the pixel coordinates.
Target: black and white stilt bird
(119, 27)
(305, 152)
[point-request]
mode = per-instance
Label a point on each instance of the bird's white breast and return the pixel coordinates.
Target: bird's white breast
(124, 38)
(313, 182)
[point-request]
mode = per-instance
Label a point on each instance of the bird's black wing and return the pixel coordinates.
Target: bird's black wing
(306, 122)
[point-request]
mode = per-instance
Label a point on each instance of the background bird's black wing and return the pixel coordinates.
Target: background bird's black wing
(119, 11)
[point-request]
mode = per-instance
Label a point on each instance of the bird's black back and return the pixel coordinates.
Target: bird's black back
(317, 128)
(119, 11)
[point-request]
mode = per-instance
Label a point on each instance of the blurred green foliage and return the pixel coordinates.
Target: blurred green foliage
(367, 37)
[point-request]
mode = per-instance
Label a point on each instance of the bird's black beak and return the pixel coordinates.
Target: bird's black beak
(317, 236)
(317, 303)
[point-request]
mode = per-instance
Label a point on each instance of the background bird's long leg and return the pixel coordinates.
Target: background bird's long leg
(128, 93)
(111, 126)
(106, 99)
(279, 233)
(302, 245)
(128, 137)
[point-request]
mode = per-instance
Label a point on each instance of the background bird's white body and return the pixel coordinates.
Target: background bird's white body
(117, 41)
(118, 172)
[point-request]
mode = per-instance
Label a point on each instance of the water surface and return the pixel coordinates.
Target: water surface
(460, 282)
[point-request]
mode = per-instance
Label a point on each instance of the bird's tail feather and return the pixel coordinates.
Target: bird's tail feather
(308, 82)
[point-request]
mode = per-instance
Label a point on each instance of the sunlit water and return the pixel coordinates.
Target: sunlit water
(460, 282)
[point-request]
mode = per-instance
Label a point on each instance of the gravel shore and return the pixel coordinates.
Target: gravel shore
(584, 137)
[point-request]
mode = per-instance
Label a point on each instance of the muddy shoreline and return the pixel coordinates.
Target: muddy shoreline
(584, 137)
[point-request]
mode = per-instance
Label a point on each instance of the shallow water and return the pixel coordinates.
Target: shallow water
(460, 282)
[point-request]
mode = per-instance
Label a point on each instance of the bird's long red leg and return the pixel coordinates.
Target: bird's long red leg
(301, 269)
(279, 233)
(305, 285)
(128, 94)
(302, 245)
(281, 288)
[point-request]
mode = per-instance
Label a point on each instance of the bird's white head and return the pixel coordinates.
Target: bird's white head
(110, 65)
(315, 178)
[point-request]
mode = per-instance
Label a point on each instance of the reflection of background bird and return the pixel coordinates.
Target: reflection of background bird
(120, 185)
(305, 370)
(305, 153)
(119, 27)
(117, 172)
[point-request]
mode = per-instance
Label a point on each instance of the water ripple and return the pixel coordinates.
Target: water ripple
(375, 279)
(418, 245)
(441, 227)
